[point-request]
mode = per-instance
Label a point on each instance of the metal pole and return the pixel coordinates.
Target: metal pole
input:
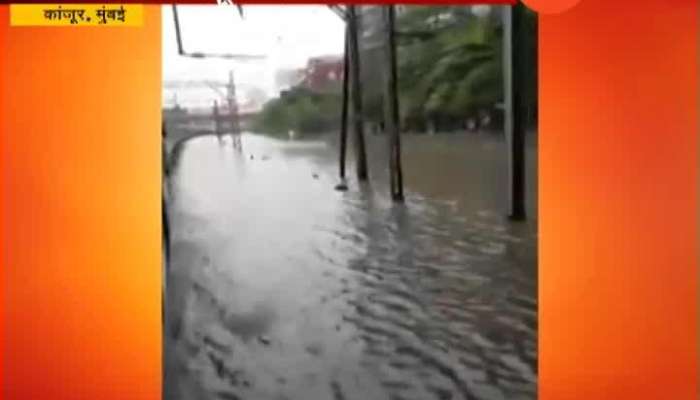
(217, 121)
(391, 105)
(360, 151)
(233, 111)
(344, 116)
(514, 126)
(178, 35)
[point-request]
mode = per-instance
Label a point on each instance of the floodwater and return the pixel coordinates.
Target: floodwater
(281, 287)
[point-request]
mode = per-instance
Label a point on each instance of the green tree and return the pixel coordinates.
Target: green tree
(450, 63)
(300, 110)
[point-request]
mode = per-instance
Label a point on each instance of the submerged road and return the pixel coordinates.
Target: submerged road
(282, 288)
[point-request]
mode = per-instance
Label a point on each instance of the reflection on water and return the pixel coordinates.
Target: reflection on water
(282, 288)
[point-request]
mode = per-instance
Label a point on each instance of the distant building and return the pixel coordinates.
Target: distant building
(322, 73)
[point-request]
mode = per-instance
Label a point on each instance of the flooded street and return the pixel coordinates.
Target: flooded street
(282, 288)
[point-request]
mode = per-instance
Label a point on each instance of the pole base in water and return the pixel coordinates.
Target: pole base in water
(342, 186)
(517, 217)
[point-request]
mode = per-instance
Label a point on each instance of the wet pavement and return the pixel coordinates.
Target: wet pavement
(282, 288)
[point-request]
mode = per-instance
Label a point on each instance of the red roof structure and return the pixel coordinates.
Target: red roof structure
(322, 72)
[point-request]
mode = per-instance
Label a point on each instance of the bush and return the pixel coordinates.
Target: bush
(300, 110)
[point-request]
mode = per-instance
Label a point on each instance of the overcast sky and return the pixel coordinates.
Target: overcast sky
(287, 35)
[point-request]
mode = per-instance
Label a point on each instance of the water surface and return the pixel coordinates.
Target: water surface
(282, 288)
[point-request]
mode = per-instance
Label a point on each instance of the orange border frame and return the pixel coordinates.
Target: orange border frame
(80, 121)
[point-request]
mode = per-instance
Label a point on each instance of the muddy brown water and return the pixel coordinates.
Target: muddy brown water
(280, 287)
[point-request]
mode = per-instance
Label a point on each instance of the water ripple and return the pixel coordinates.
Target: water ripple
(284, 293)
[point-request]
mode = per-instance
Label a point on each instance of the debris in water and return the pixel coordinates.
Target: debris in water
(315, 175)
(341, 186)
(314, 349)
(264, 340)
(337, 391)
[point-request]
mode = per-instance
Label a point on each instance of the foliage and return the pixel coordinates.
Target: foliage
(450, 64)
(300, 110)
(450, 68)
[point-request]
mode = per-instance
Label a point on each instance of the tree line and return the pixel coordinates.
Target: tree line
(450, 71)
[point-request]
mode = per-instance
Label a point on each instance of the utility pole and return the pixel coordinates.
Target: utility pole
(358, 126)
(344, 115)
(514, 121)
(233, 111)
(391, 104)
(217, 119)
